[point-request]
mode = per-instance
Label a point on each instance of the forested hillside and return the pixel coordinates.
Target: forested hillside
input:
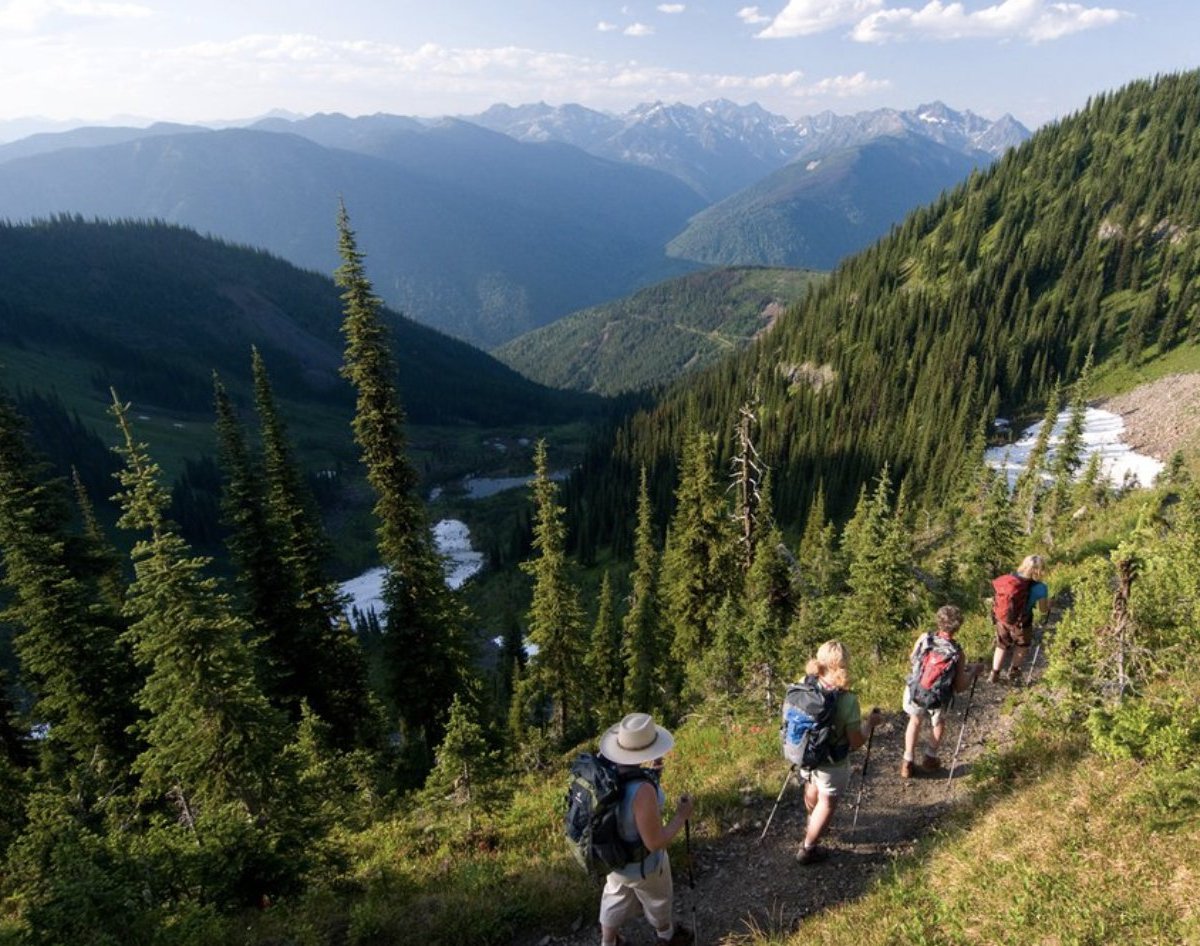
(653, 336)
(1084, 239)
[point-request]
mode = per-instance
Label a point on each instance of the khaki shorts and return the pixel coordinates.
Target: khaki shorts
(935, 716)
(832, 780)
(654, 893)
(1009, 635)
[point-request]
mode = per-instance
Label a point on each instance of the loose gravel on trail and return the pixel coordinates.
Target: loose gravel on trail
(744, 885)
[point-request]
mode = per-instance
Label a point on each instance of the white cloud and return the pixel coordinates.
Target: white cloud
(1033, 20)
(639, 29)
(605, 27)
(806, 17)
(752, 15)
(671, 7)
(26, 16)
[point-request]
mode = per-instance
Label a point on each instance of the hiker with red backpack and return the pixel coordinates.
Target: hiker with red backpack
(939, 670)
(1016, 596)
(833, 727)
(645, 879)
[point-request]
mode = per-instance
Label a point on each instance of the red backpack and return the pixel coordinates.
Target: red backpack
(1010, 605)
(931, 679)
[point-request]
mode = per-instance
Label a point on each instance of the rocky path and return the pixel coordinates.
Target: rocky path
(743, 885)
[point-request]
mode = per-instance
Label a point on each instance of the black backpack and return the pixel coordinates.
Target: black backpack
(931, 679)
(592, 822)
(807, 728)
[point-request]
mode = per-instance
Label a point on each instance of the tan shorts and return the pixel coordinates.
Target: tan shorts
(935, 716)
(654, 893)
(830, 780)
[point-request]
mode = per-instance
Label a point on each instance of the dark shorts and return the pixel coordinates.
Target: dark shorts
(1013, 635)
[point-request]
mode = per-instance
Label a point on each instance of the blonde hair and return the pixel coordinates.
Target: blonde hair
(831, 663)
(1033, 566)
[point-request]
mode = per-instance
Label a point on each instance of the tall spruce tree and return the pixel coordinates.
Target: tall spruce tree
(212, 739)
(555, 617)
(1030, 488)
(325, 663)
(644, 649)
(67, 634)
(606, 670)
(699, 561)
(424, 647)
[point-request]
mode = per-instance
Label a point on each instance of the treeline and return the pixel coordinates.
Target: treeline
(1085, 238)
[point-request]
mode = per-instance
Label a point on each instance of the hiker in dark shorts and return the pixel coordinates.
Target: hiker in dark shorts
(633, 743)
(825, 784)
(949, 620)
(1018, 635)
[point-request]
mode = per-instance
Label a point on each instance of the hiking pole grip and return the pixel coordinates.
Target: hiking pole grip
(961, 730)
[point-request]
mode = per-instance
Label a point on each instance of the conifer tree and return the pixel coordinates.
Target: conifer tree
(425, 645)
(465, 760)
(1029, 487)
(323, 659)
(699, 560)
(99, 554)
(555, 617)
(722, 666)
(817, 555)
(212, 739)
(66, 632)
(1069, 455)
(769, 606)
(992, 539)
(642, 633)
(606, 670)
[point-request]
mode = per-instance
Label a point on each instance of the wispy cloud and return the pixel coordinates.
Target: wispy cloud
(871, 22)
(26, 16)
(606, 27)
(752, 15)
(671, 7)
(806, 17)
(639, 29)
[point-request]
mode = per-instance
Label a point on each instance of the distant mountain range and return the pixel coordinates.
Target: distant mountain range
(491, 227)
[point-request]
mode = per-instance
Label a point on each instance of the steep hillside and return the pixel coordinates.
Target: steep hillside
(486, 251)
(658, 333)
(817, 211)
(1083, 238)
(154, 309)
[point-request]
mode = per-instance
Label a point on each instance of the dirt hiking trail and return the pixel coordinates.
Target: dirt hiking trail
(742, 885)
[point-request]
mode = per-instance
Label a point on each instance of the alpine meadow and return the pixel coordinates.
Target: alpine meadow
(723, 507)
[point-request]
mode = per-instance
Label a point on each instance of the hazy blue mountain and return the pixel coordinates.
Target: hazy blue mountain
(816, 212)
(88, 137)
(484, 238)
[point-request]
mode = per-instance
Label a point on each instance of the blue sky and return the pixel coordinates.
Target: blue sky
(205, 60)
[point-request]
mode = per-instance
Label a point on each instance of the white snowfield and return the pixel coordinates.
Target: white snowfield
(452, 539)
(1102, 432)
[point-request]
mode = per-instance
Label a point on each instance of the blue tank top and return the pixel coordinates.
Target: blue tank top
(627, 828)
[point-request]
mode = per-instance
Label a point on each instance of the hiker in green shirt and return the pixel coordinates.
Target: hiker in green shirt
(826, 783)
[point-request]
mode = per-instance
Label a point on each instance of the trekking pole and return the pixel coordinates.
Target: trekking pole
(961, 730)
(1036, 650)
(786, 779)
(862, 782)
(687, 841)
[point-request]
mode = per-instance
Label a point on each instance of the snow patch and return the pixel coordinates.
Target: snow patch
(1102, 432)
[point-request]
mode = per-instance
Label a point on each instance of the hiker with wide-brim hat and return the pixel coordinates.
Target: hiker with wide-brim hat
(826, 783)
(633, 744)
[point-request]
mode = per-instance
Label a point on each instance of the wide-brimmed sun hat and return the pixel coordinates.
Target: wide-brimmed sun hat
(635, 739)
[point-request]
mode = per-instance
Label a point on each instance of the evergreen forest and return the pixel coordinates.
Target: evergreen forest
(191, 755)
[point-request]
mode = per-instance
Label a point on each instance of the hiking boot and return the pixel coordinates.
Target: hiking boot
(811, 855)
(931, 763)
(906, 769)
(994, 676)
(682, 937)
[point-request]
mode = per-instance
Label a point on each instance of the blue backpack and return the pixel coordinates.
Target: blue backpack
(808, 710)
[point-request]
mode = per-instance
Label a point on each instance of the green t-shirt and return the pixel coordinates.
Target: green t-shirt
(847, 715)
